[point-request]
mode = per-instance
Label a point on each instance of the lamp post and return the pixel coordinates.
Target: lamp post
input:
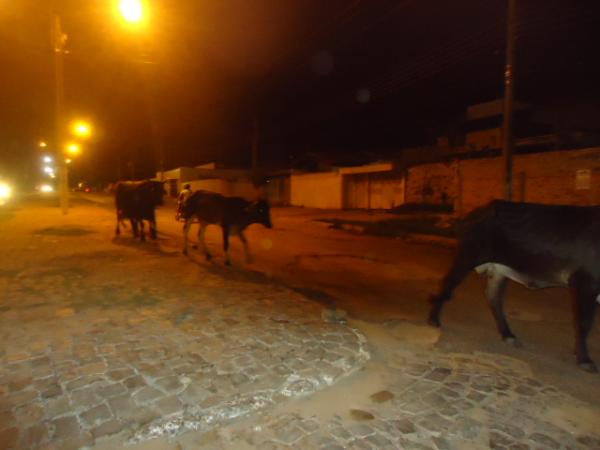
(131, 12)
(509, 98)
(58, 43)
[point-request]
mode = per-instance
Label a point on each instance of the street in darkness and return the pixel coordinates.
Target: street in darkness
(108, 342)
(319, 225)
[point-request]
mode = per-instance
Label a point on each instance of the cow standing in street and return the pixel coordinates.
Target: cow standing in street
(538, 246)
(233, 214)
(137, 201)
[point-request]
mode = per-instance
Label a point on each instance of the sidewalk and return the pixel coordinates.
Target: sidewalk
(107, 343)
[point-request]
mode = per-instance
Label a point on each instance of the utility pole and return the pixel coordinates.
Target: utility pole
(255, 140)
(58, 43)
(509, 98)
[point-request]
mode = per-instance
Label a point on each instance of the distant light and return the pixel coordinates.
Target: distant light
(68, 161)
(52, 175)
(46, 188)
(48, 170)
(47, 159)
(5, 191)
(73, 149)
(43, 144)
(82, 129)
(131, 10)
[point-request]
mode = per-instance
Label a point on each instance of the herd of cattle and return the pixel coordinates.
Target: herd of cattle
(535, 245)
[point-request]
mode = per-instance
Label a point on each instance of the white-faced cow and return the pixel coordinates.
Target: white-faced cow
(535, 245)
(137, 201)
(233, 214)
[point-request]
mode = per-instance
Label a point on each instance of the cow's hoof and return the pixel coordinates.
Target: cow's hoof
(513, 342)
(208, 256)
(185, 252)
(588, 367)
(434, 321)
(228, 263)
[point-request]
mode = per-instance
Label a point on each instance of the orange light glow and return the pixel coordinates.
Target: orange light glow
(131, 11)
(73, 149)
(82, 129)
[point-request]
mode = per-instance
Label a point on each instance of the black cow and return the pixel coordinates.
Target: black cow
(137, 202)
(538, 246)
(233, 214)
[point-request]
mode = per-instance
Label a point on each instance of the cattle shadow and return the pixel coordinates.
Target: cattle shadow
(240, 273)
(148, 246)
(68, 231)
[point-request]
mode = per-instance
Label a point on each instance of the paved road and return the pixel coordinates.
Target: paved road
(108, 341)
(385, 280)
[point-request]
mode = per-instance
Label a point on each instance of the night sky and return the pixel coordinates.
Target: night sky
(337, 76)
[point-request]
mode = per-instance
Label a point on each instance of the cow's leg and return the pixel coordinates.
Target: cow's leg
(118, 230)
(246, 247)
(584, 309)
(495, 291)
(142, 233)
(461, 267)
(187, 224)
(152, 226)
(134, 227)
(202, 240)
(226, 245)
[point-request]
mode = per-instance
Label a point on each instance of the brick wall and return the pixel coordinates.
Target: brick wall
(539, 178)
(431, 183)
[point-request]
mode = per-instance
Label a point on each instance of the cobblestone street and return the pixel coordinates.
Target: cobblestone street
(109, 343)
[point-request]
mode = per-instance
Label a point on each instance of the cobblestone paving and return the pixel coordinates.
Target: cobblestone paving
(110, 343)
(437, 401)
(100, 343)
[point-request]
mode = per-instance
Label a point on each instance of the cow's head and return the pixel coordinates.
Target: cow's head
(260, 212)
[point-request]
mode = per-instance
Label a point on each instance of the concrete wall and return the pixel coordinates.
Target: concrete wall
(561, 177)
(373, 191)
(317, 190)
(244, 189)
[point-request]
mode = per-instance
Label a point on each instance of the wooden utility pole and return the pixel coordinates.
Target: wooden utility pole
(58, 44)
(255, 140)
(509, 98)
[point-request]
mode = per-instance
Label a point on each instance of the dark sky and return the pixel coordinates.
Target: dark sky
(336, 75)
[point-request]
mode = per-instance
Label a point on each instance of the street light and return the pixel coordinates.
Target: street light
(131, 11)
(81, 128)
(73, 149)
(43, 144)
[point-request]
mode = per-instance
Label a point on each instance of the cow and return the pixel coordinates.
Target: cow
(137, 202)
(233, 214)
(535, 245)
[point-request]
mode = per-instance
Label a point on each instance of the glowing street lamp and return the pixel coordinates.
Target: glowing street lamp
(47, 159)
(81, 129)
(131, 11)
(43, 144)
(73, 149)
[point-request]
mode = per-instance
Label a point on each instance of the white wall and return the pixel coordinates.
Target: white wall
(317, 190)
